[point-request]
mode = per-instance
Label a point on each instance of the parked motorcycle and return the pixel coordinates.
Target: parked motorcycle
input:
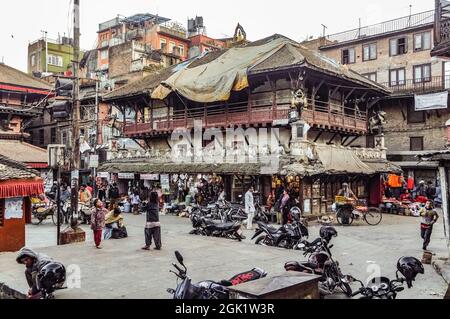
(321, 262)
(288, 236)
(208, 227)
(384, 288)
(209, 289)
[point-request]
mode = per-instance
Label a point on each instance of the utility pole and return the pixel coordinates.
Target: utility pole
(75, 159)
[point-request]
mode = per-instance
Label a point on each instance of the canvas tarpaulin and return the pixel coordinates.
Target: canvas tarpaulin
(435, 101)
(215, 80)
(341, 160)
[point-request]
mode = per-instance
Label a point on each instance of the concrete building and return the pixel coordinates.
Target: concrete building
(50, 56)
(396, 54)
(201, 43)
(139, 43)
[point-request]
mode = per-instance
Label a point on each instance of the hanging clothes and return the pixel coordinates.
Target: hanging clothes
(410, 183)
(395, 181)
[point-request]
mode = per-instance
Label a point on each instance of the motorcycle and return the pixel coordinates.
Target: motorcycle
(288, 236)
(209, 290)
(84, 213)
(321, 262)
(208, 227)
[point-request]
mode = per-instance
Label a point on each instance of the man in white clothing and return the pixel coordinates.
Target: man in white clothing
(250, 207)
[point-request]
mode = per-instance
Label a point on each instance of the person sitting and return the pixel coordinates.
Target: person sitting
(34, 262)
(347, 192)
(114, 225)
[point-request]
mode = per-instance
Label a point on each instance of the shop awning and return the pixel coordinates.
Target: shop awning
(21, 188)
(341, 160)
(183, 168)
(385, 167)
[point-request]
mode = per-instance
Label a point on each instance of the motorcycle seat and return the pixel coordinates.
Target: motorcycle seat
(225, 226)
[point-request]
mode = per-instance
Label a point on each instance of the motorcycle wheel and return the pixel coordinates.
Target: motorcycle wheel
(344, 217)
(55, 218)
(36, 219)
(263, 241)
(373, 217)
(345, 287)
(284, 243)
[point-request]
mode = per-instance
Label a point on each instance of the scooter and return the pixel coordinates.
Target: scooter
(212, 290)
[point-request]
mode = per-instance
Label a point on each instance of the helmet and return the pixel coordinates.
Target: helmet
(51, 276)
(409, 267)
(328, 233)
(318, 259)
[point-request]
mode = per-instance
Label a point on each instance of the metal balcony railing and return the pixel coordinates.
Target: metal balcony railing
(399, 24)
(421, 85)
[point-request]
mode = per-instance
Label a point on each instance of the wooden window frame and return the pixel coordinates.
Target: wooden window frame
(410, 109)
(354, 55)
(368, 45)
(422, 78)
(397, 82)
(396, 39)
(422, 42)
(366, 75)
(411, 146)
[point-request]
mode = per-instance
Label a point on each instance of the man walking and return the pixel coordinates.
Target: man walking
(429, 218)
(250, 207)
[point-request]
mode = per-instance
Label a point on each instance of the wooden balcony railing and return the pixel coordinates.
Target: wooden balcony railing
(424, 85)
(320, 114)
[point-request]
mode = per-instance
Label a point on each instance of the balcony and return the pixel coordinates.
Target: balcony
(404, 23)
(172, 32)
(420, 86)
(321, 115)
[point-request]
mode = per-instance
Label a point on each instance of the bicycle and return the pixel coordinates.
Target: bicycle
(349, 210)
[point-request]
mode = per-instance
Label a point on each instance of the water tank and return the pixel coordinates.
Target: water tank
(199, 22)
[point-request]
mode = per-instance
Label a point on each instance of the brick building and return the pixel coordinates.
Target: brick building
(130, 47)
(396, 54)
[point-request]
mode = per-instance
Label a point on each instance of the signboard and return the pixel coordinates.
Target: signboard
(150, 177)
(126, 176)
(165, 184)
(14, 208)
(93, 161)
(436, 101)
(103, 174)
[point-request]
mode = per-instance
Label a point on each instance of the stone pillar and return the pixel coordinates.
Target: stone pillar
(381, 145)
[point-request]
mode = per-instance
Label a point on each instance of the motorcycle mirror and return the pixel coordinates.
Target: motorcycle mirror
(179, 257)
(301, 246)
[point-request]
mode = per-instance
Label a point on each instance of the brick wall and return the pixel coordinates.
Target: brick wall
(398, 131)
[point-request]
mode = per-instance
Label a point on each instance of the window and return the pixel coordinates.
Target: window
(41, 137)
(371, 76)
(53, 135)
(2, 212)
(422, 73)
(181, 50)
(348, 56)
(172, 46)
(422, 41)
(55, 60)
(397, 77)
(416, 143)
(414, 116)
(33, 60)
(398, 46)
(104, 54)
(369, 52)
(163, 43)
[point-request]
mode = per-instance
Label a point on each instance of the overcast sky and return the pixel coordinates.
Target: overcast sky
(21, 21)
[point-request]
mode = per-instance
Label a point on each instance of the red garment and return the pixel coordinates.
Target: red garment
(421, 199)
(405, 197)
(98, 237)
(410, 183)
